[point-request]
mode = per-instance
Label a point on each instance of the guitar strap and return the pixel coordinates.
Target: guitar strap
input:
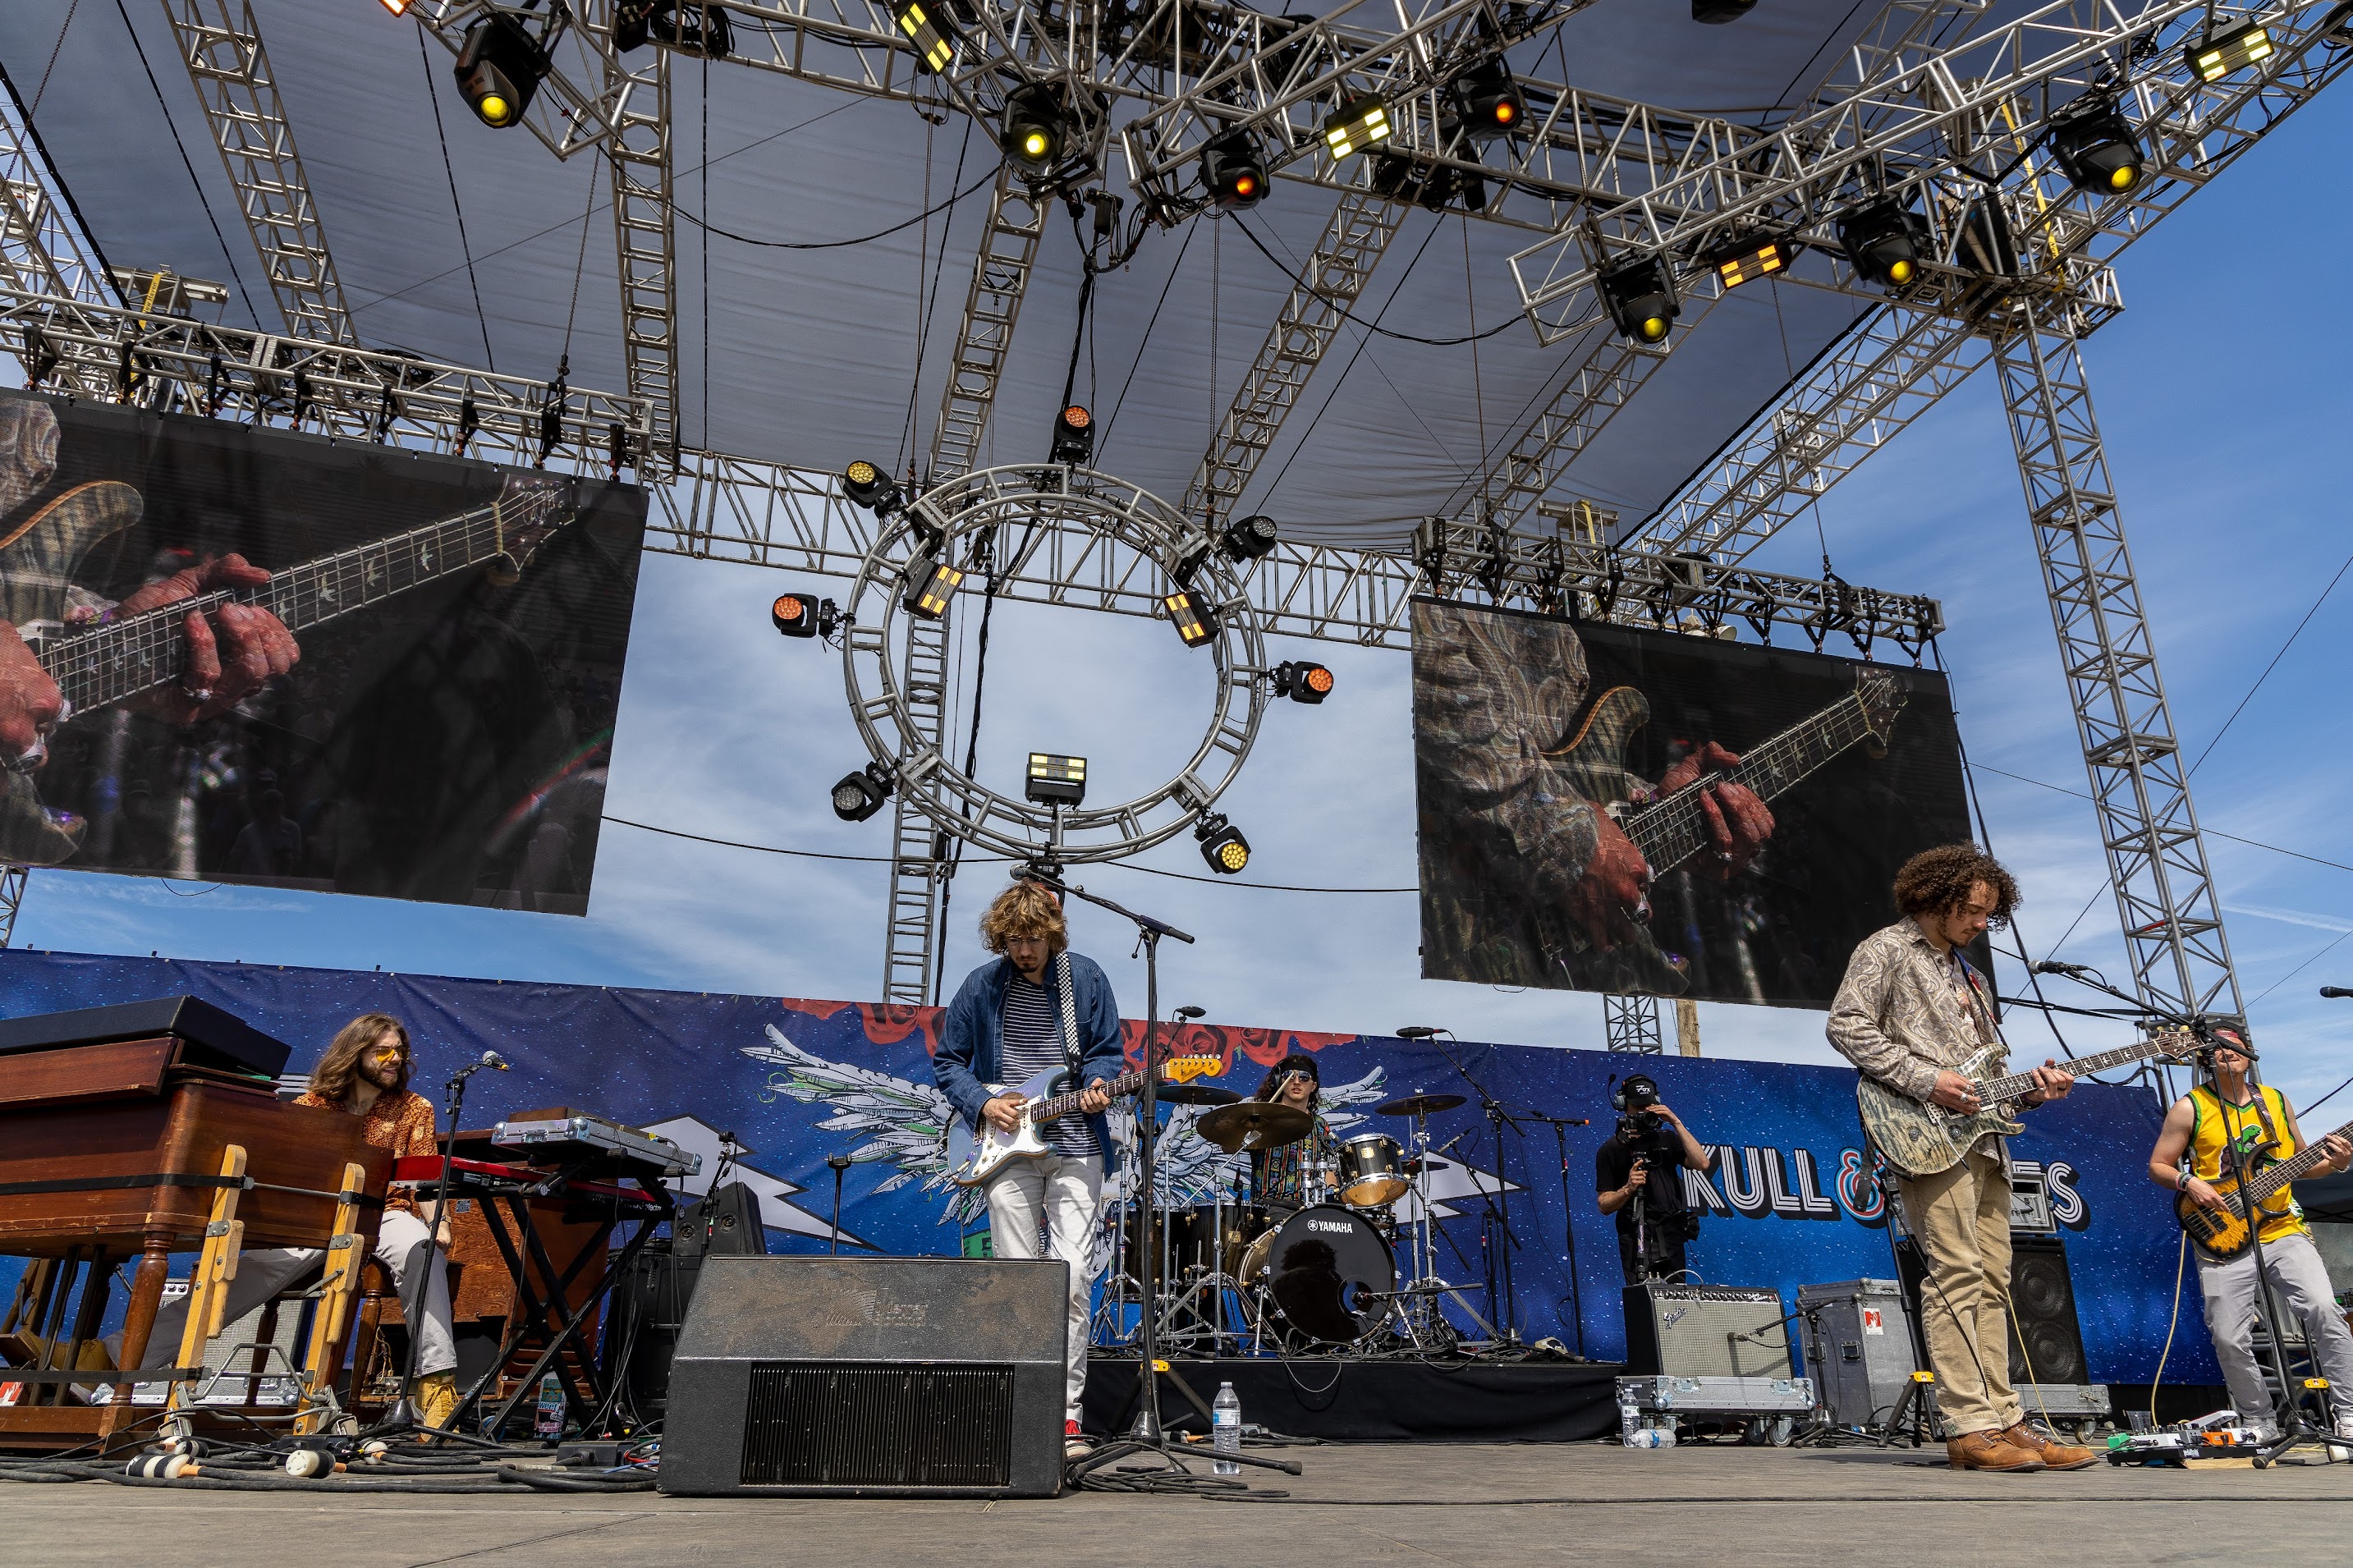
(1069, 1015)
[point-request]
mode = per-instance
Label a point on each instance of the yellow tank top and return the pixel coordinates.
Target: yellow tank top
(2215, 1120)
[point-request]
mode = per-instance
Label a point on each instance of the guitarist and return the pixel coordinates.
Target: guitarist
(2259, 1120)
(1006, 1024)
(1910, 1007)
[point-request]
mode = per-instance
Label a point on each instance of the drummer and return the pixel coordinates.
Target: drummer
(1290, 1177)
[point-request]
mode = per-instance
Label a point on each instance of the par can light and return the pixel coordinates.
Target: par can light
(1222, 845)
(1302, 681)
(1074, 435)
(1248, 538)
(861, 794)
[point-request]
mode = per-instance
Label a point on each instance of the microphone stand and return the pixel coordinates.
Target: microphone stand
(1147, 1436)
(1505, 1304)
(1561, 1126)
(840, 1163)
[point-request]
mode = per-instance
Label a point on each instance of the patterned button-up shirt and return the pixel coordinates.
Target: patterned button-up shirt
(1905, 1012)
(401, 1122)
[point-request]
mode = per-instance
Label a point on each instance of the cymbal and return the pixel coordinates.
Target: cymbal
(1253, 1124)
(1193, 1094)
(1419, 1105)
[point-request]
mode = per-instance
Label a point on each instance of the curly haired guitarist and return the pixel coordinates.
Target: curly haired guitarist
(1910, 1007)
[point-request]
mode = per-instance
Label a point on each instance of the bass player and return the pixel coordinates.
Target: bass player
(2259, 1120)
(1037, 1007)
(1910, 1007)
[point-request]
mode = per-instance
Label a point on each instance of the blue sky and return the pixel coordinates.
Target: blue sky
(2220, 394)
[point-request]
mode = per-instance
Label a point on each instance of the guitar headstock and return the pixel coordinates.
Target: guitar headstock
(2174, 1045)
(1881, 692)
(529, 507)
(1185, 1069)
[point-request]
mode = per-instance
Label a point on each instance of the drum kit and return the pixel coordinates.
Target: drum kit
(1316, 1275)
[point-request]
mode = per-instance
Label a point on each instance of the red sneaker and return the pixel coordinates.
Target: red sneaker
(1075, 1445)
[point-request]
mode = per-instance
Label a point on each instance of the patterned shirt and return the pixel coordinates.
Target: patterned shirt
(1033, 1044)
(401, 1122)
(1904, 1010)
(1279, 1175)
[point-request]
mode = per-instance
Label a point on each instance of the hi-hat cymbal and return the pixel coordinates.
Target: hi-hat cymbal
(1253, 1124)
(1194, 1094)
(1419, 1105)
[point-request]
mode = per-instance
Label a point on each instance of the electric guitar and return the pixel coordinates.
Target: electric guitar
(974, 1156)
(98, 664)
(2224, 1233)
(1920, 1140)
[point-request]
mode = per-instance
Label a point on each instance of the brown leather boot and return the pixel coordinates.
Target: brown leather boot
(2055, 1455)
(1990, 1450)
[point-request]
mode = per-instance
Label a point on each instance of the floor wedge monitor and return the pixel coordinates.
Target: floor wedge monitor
(799, 1376)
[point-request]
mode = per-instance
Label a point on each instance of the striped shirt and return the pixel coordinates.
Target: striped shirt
(1033, 1044)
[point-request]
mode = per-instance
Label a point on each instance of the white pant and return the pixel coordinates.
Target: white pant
(2300, 1284)
(263, 1272)
(1056, 1194)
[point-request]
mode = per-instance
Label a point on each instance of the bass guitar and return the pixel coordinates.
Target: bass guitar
(1920, 1139)
(2224, 1233)
(973, 1157)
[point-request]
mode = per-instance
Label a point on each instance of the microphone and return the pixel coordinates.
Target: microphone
(495, 1062)
(1416, 1032)
(2052, 966)
(2337, 991)
(1191, 1012)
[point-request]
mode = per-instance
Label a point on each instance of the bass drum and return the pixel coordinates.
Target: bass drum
(1328, 1272)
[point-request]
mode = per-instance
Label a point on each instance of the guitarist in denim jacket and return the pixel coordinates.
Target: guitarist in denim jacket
(1004, 1025)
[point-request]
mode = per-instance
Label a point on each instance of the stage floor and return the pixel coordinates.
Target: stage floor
(1453, 1503)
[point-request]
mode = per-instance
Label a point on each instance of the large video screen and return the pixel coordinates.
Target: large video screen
(247, 655)
(1575, 828)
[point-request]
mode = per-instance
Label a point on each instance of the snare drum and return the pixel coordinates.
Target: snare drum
(1372, 1171)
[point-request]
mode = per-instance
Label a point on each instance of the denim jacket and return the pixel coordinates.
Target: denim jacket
(971, 1055)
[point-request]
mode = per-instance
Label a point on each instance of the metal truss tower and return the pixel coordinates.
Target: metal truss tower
(12, 899)
(2157, 862)
(1631, 1024)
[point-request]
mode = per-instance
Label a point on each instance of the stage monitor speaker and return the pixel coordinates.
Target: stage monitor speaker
(1705, 1330)
(803, 1376)
(2043, 1297)
(726, 1220)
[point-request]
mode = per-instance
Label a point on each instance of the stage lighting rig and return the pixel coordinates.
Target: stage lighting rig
(500, 68)
(2095, 147)
(1302, 681)
(930, 586)
(1056, 779)
(861, 794)
(1883, 240)
(687, 27)
(927, 23)
(1248, 538)
(869, 487)
(1747, 260)
(1363, 121)
(1036, 129)
(1222, 845)
(1487, 101)
(1433, 187)
(799, 616)
(1074, 436)
(1640, 295)
(1232, 171)
(1194, 617)
(2212, 58)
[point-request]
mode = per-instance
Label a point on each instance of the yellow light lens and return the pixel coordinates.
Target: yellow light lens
(1233, 856)
(2123, 178)
(495, 109)
(1319, 680)
(862, 472)
(1034, 145)
(398, 7)
(1653, 328)
(1902, 271)
(1356, 126)
(1506, 111)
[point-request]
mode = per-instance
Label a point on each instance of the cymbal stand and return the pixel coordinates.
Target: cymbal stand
(1108, 1328)
(1421, 1305)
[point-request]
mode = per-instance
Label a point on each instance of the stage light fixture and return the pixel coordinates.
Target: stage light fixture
(1640, 295)
(1753, 262)
(1056, 779)
(1037, 128)
(1716, 12)
(398, 7)
(1487, 100)
(1302, 681)
(799, 616)
(2095, 147)
(1195, 617)
(1222, 845)
(1883, 240)
(1361, 122)
(934, 36)
(1074, 435)
(2212, 60)
(1232, 171)
(1248, 538)
(500, 68)
(861, 794)
(869, 487)
(930, 586)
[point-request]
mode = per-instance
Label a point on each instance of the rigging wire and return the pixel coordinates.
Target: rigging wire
(465, 246)
(56, 49)
(1373, 325)
(1471, 305)
(710, 228)
(579, 265)
(931, 307)
(2266, 675)
(1104, 436)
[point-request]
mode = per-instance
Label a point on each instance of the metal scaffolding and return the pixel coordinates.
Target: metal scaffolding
(1631, 1024)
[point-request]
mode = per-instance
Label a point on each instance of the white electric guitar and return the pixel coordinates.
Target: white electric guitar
(975, 1157)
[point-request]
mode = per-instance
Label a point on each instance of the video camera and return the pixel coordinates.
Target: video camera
(1640, 1127)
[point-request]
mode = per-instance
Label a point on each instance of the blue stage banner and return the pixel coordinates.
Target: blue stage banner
(1789, 1201)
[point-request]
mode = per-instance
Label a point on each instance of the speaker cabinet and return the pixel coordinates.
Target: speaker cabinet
(2043, 1297)
(1705, 1330)
(727, 1220)
(805, 1376)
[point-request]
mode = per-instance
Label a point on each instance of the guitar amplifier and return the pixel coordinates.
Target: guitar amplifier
(1705, 1330)
(802, 1377)
(1859, 1347)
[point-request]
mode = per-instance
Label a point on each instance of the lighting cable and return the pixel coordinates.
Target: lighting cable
(1373, 325)
(465, 246)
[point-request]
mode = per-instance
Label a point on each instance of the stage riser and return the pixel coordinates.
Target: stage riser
(1378, 1401)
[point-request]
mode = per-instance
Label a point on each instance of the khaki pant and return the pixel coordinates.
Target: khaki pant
(1960, 1218)
(1059, 1195)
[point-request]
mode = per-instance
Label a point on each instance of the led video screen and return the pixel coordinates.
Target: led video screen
(246, 655)
(1575, 830)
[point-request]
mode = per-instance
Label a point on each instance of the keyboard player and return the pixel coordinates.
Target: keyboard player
(365, 1073)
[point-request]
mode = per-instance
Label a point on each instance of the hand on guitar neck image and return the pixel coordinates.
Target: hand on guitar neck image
(232, 653)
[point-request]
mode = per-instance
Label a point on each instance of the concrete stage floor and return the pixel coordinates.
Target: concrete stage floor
(1455, 1504)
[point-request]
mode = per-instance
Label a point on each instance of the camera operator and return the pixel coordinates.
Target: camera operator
(1637, 1173)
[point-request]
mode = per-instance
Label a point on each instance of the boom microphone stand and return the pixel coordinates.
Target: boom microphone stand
(1561, 1126)
(1146, 1435)
(1504, 1302)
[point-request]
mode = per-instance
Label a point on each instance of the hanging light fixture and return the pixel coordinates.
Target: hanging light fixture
(1233, 171)
(500, 68)
(1883, 240)
(1639, 296)
(2095, 146)
(1363, 121)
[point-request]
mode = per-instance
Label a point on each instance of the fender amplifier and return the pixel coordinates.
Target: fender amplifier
(1705, 1330)
(804, 1376)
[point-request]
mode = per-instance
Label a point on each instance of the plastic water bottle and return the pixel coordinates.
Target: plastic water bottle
(1629, 1424)
(549, 1423)
(1226, 1428)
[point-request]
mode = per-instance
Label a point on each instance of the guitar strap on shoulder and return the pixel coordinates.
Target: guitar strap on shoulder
(1069, 1015)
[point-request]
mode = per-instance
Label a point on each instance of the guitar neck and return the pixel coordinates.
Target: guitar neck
(1061, 1105)
(1672, 829)
(2293, 1168)
(129, 656)
(1994, 1091)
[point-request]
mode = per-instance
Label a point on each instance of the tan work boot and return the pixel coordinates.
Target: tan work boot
(1991, 1449)
(435, 1397)
(2055, 1455)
